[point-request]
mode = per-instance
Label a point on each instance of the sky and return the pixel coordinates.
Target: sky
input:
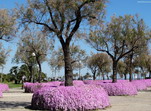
(117, 7)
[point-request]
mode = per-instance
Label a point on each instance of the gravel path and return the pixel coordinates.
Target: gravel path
(16, 100)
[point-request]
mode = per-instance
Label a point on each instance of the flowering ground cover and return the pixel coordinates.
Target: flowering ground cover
(147, 82)
(140, 84)
(75, 83)
(83, 95)
(77, 98)
(3, 87)
(121, 88)
(32, 87)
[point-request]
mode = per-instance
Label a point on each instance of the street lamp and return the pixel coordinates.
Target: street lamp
(80, 65)
(33, 55)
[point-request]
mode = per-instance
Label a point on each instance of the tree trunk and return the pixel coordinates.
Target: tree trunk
(39, 72)
(130, 67)
(149, 74)
(125, 77)
(94, 76)
(107, 76)
(16, 82)
(103, 76)
(114, 79)
(68, 66)
(79, 73)
(31, 73)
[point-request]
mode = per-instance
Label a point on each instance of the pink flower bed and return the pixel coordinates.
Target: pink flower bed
(101, 81)
(93, 81)
(147, 82)
(119, 89)
(32, 87)
(139, 84)
(4, 87)
(71, 98)
(75, 83)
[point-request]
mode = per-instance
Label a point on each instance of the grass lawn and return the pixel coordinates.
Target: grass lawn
(12, 85)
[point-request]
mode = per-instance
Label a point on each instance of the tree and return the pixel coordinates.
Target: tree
(24, 71)
(78, 57)
(148, 65)
(99, 63)
(3, 55)
(62, 18)
(87, 76)
(7, 25)
(56, 61)
(104, 64)
(120, 37)
(143, 62)
(93, 66)
(14, 72)
(121, 69)
(33, 49)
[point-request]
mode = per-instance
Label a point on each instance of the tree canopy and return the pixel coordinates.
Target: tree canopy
(118, 38)
(7, 25)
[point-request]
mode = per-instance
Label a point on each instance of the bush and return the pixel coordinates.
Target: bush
(4, 87)
(147, 82)
(119, 89)
(75, 83)
(139, 84)
(32, 87)
(77, 98)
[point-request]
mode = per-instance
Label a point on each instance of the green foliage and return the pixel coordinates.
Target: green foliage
(3, 55)
(16, 74)
(33, 41)
(7, 25)
(99, 64)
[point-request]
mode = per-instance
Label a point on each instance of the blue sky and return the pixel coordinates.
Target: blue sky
(118, 7)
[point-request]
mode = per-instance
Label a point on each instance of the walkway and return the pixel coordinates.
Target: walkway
(15, 100)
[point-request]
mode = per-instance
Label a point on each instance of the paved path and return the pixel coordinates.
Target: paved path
(16, 100)
(140, 102)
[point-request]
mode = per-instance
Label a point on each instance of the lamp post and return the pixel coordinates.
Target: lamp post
(80, 65)
(33, 64)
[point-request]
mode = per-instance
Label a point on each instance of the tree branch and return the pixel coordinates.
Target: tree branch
(50, 13)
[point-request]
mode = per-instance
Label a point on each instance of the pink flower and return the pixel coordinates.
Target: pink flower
(3, 88)
(120, 88)
(139, 84)
(84, 97)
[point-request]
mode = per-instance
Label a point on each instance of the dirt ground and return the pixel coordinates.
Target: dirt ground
(16, 100)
